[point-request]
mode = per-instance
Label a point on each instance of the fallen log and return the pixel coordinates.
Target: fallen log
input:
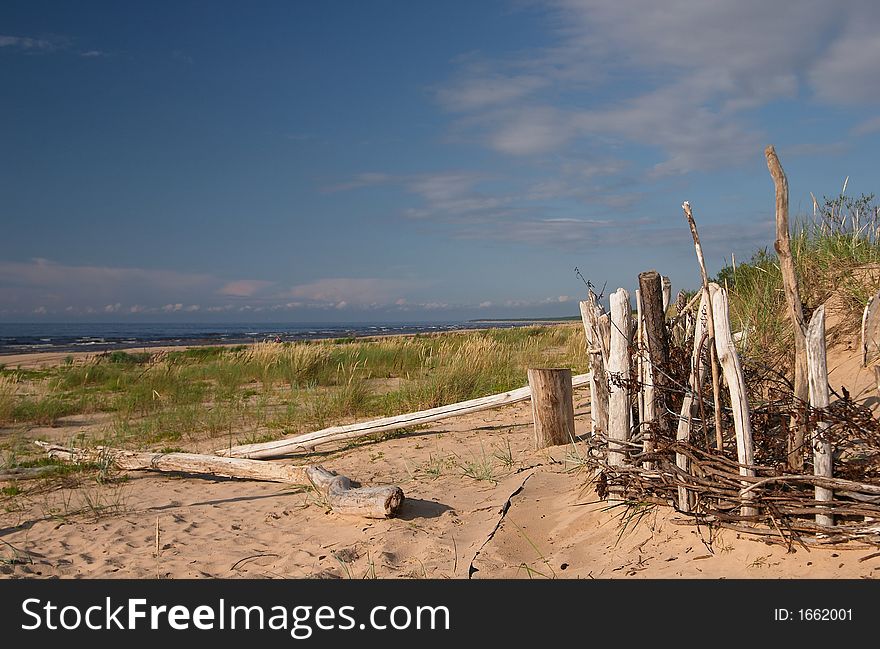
(372, 502)
(307, 441)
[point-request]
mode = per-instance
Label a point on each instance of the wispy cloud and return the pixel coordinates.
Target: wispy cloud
(26, 43)
(47, 44)
(478, 89)
(866, 127)
(366, 179)
(245, 287)
(43, 287)
(678, 76)
(351, 291)
(543, 212)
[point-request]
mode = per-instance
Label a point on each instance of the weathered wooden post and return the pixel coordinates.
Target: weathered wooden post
(590, 315)
(871, 337)
(646, 389)
(667, 292)
(552, 406)
(688, 405)
(654, 320)
(733, 376)
(817, 370)
(871, 331)
(619, 413)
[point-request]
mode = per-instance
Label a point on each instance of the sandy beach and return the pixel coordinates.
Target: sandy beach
(516, 513)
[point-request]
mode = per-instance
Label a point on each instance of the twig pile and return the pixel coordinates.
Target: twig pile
(784, 501)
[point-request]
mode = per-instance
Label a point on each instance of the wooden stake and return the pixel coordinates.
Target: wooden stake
(817, 366)
(729, 359)
(372, 502)
(307, 442)
(797, 427)
(645, 386)
(619, 413)
(653, 313)
(590, 313)
(552, 406)
(871, 331)
(667, 293)
(713, 357)
(689, 405)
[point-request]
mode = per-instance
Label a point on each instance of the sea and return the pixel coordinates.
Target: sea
(18, 338)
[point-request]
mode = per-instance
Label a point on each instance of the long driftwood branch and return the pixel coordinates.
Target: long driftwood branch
(795, 307)
(710, 324)
(372, 502)
(308, 441)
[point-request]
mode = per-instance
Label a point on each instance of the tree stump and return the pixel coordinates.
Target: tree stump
(552, 406)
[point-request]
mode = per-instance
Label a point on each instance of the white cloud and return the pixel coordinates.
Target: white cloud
(244, 287)
(866, 127)
(531, 130)
(350, 291)
(26, 43)
(41, 281)
(847, 72)
(476, 91)
(679, 76)
(366, 179)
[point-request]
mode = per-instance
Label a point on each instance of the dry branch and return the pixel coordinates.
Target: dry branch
(372, 502)
(782, 245)
(710, 325)
(306, 442)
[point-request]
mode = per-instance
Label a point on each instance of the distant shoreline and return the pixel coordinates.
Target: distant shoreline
(16, 339)
(42, 358)
(562, 320)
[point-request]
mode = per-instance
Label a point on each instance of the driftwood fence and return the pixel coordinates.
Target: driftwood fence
(680, 418)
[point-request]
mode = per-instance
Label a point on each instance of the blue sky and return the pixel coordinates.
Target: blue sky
(408, 161)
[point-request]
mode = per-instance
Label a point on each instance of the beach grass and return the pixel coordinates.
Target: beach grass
(837, 258)
(267, 390)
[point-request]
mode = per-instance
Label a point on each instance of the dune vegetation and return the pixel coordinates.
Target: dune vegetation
(267, 390)
(837, 257)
